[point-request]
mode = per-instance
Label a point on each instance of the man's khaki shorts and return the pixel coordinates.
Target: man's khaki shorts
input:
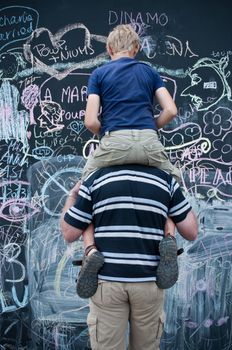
(126, 313)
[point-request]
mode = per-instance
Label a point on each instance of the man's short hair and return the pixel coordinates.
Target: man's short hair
(122, 38)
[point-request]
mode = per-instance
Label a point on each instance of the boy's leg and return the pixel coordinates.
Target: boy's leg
(93, 260)
(156, 155)
(88, 239)
(113, 149)
(169, 228)
(130, 146)
(167, 271)
(87, 280)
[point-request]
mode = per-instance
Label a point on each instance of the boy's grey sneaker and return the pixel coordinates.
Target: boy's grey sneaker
(87, 280)
(167, 271)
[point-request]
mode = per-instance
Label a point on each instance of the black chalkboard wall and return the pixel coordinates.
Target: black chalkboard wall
(47, 51)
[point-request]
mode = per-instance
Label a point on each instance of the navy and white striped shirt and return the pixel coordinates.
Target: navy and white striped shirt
(128, 206)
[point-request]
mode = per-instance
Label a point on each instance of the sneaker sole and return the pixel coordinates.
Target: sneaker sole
(87, 281)
(167, 271)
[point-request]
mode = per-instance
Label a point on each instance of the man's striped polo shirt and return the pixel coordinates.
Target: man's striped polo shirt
(128, 206)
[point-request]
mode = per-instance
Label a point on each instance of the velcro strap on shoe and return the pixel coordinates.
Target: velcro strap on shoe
(89, 248)
(180, 251)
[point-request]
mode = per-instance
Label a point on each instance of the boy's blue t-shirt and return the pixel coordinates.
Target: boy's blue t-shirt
(126, 88)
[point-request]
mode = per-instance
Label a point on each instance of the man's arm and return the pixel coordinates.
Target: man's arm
(92, 122)
(188, 228)
(169, 110)
(70, 233)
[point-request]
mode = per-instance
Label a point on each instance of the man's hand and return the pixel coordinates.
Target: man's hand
(74, 191)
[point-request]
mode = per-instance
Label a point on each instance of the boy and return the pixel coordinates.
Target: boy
(125, 89)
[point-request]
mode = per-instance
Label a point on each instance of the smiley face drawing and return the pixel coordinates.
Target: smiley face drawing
(208, 83)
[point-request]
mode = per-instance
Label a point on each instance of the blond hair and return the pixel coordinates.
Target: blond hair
(122, 38)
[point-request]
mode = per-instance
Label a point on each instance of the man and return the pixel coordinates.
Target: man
(128, 206)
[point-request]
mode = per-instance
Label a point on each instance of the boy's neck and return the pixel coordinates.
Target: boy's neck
(117, 55)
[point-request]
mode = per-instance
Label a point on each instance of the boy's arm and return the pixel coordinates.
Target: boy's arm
(92, 122)
(169, 110)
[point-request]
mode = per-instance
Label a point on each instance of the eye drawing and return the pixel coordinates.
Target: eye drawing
(17, 210)
(195, 79)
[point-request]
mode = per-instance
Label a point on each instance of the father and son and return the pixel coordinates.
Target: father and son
(128, 203)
